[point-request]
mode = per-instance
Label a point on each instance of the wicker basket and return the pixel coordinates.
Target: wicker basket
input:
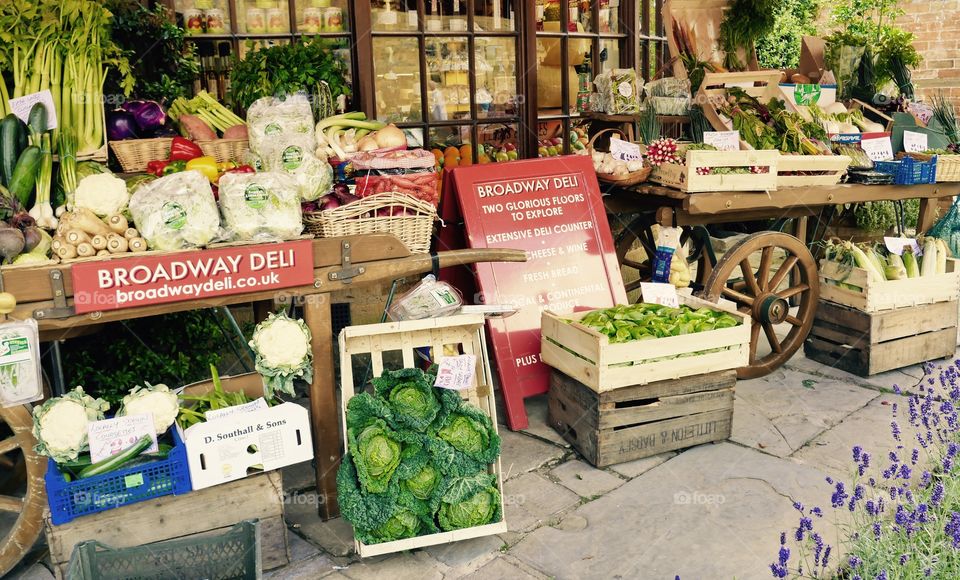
(225, 149)
(360, 217)
(135, 154)
(948, 166)
(632, 178)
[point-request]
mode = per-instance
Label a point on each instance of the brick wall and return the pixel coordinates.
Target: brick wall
(936, 25)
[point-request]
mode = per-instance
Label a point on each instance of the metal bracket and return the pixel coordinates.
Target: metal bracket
(60, 308)
(348, 272)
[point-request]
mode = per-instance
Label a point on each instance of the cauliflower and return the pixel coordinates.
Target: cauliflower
(156, 400)
(104, 194)
(282, 346)
(60, 424)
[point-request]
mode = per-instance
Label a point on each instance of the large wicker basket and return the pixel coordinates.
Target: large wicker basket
(948, 166)
(414, 229)
(632, 178)
(135, 154)
(225, 149)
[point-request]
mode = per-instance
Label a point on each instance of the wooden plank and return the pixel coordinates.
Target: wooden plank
(874, 296)
(667, 408)
(903, 322)
(897, 354)
(323, 404)
(852, 319)
(686, 178)
(654, 438)
(170, 517)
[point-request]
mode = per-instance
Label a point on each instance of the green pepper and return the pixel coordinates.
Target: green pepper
(175, 167)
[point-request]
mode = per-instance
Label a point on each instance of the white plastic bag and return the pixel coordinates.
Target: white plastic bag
(20, 375)
(261, 206)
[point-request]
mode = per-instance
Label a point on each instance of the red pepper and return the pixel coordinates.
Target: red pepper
(156, 167)
(182, 149)
(241, 169)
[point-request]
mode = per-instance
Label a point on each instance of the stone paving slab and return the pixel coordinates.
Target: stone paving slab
(464, 557)
(714, 511)
(533, 500)
(781, 412)
(503, 568)
(884, 381)
(521, 453)
(584, 479)
(317, 566)
(417, 565)
(334, 536)
(34, 572)
(632, 469)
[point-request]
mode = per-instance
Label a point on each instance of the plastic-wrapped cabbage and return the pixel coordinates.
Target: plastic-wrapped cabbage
(274, 124)
(314, 176)
(177, 211)
(261, 206)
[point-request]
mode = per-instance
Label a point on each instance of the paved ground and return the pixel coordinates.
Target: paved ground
(713, 511)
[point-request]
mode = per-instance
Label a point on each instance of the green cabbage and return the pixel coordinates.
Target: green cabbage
(176, 212)
(470, 431)
(403, 524)
(60, 424)
(376, 454)
(470, 501)
(412, 398)
(424, 483)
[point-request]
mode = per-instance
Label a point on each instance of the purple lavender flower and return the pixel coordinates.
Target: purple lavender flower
(947, 464)
(817, 548)
(854, 562)
(914, 456)
(871, 507)
(783, 538)
(882, 575)
(905, 471)
(784, 555)
(952, 528)
(816, 512)
(937, 496)
(778, 571)
(876, 530)
(928, 572)
(895, 430)
(857, 450)
(839, 495)
(925, 479)
(893, 457)
(896, 389)
(903, 559)
(826, 555)
(798, 506)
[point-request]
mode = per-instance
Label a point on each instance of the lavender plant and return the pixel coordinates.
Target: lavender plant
(902, 512)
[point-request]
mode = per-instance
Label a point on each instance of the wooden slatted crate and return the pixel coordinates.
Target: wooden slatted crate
(397, 345)
(687, 178)
(869, 343)
(589, 357)
(642, 420)
(208, 511)
(852, 287)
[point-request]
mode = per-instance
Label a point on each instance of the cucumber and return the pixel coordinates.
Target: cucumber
(116, 461)
(325, 107)
(12, 142)
(37, 120)
(25, 174)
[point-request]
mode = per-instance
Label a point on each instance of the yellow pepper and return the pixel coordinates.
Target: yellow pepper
(206, 165)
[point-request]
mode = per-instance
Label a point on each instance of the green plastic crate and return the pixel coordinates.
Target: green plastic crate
(232, 555)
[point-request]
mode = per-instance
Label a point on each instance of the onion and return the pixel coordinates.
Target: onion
(329, 201)
(390, 137)
(367, 143)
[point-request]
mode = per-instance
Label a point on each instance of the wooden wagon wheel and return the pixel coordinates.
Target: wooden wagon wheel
(763, 290)
(640, 232)
(31, 500)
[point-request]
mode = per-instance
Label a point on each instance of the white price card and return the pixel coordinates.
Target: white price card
(897, 245)
(624, 150)
(112, 436)
(722, 140)
(663, 294)
(914, 142)
(252, 406)
(456, 372)
(411, 18)
(879, 149)
(21, 107)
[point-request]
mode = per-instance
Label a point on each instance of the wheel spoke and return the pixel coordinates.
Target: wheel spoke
(633, 264)
(747, 270)
(791, 319)
(10, 504)
(9, 444)
(736, 296)
(763, 274)
(754, 339)
(793, 291)
(633, 285)
(772, 338)
(785, 268)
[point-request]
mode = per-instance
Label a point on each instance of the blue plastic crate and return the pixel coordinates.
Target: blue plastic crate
(908, 171)
(71, 499)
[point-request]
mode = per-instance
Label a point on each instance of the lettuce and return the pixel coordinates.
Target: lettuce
(176, 212)
(261, 206)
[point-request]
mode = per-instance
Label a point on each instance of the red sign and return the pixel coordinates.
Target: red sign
(145, 279)
(552, 208)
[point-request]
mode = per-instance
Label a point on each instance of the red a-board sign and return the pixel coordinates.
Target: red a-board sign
(145, 279)
(552, 209)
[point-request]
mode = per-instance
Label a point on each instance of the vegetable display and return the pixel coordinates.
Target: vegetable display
(649, 321)
(157, 400)
(206, 110)
(176, 211)
(282, 348)
(880, 264)
(417, 461)
(195, 407)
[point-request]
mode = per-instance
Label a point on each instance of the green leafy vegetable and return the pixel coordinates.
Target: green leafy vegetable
(471, 432)
(376, 453)
(649, 321)
(414, 403)
(468, 502)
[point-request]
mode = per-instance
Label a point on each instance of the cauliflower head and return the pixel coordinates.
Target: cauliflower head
(60, 424)
(282, 347)
(157, 400)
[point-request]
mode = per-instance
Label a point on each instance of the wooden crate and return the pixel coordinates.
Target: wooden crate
(686, 178)
(463, 334)
(208, 511)
(641, 420)
(866, 344)
(869, 296)
(826, 170)
(589, 357)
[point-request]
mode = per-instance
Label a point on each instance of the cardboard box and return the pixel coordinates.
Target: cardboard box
(245, 444)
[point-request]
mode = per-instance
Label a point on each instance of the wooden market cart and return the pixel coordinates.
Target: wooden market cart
(765, 273)
(341, 266)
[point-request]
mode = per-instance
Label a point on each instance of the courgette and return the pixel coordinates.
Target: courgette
(116, 461)
(12, 136)
(25, 174)
(37, 120)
